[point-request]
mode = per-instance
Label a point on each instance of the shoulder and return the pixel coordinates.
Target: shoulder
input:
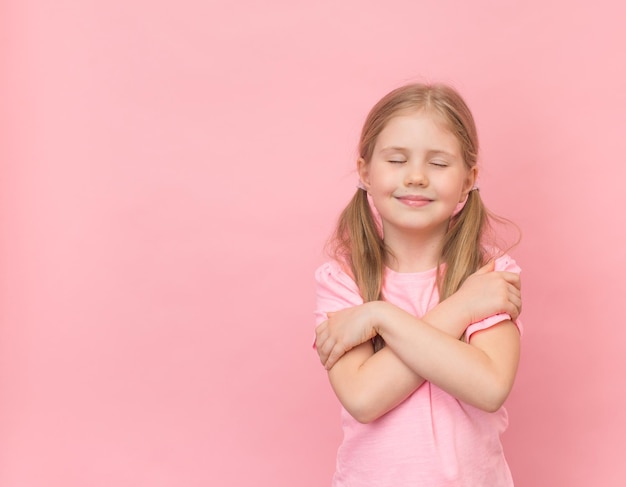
(332, 280)
(334, 290)
(333, 273)
(503, 262)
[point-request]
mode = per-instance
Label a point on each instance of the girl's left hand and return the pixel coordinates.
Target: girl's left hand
(344, 330)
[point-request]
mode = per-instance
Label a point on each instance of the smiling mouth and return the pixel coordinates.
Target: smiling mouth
(414, 201)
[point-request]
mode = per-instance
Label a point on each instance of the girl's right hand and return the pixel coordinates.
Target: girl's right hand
(344, 330)
(488, 292)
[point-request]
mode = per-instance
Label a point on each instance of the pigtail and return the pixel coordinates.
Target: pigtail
(462, 251)
(358, 244)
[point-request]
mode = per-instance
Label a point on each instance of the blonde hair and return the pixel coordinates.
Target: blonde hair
(357, 242)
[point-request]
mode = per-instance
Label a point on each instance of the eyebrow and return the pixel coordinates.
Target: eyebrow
(442, 152)
(394, 149)
(430, 152)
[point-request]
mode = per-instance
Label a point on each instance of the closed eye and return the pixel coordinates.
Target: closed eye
(439, 163)
(396, 161)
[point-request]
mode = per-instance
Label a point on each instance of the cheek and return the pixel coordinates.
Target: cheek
(380, 181)
(454, 186)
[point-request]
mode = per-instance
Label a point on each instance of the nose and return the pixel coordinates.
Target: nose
(415, 175)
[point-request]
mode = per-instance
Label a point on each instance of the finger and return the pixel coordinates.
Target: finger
(514, 278)
(319, 343)
(327, 343)
(510, 309)
(515, 291)
(321, 356)
(322, 342)
(330, 361)
(512, 290)
(336, 353)
(516, 306)
(324, 351)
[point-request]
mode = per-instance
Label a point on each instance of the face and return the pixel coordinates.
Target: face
(416, 176)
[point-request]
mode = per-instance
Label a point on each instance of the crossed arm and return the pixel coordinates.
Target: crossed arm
(480, 372)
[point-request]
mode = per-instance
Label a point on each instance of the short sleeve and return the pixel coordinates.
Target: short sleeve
(334, 290)
(504, 263)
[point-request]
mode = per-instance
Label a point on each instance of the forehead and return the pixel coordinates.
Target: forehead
(418, 129)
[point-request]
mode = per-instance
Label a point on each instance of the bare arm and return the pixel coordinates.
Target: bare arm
(368, 384)
(480, 373)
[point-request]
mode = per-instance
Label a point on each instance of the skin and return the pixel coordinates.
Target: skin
(416, 157)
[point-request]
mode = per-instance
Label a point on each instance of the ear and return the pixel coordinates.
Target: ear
(362, 169)
(470, 180)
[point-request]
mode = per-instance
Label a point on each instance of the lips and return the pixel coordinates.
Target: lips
(414, 200)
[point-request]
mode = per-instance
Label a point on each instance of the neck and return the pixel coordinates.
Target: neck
(413, 253)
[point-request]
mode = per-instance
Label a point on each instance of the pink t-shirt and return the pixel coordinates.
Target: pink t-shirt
(432, 438)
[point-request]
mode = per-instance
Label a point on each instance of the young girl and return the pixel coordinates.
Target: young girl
(416, 313)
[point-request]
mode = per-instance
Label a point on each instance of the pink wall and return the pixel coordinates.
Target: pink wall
(170, 172)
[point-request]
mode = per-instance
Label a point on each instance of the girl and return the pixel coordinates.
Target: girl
(416, 313)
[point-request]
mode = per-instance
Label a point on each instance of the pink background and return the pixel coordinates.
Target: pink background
(171, 171)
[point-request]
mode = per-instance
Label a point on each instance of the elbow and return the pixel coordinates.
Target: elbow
(364, 416)
(491, 406)
(362, 409)
(493, 399)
